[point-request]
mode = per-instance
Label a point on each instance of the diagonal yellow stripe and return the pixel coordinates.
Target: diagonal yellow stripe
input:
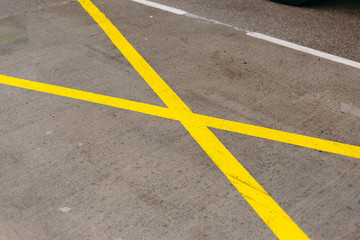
(227, 125)
(89, 97)
(136, 60)
(271, 213)
(281, 136)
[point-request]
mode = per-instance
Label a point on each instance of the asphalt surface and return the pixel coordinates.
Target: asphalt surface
(332, 26)
(71, 169)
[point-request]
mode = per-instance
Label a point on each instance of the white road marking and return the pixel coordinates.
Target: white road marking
(347, 108)
(65, 209)
(161, 6)
(259, 35)
(48, 132)
(305, 49)
(213, 21)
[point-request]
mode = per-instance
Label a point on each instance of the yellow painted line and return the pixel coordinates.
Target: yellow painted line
(135, 59)
(281, 136)
(227, 125)
(271, 213)
(88, 96)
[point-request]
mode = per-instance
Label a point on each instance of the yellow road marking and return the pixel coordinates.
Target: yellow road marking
(88, 96)
(271, 213)
(281, 136)
(140, 65)
(227, 125)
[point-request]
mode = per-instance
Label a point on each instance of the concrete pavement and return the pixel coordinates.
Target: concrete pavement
(78, 170)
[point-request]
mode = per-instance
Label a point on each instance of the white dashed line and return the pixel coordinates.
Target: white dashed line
(65, 209)
(259, 36)
(305, 49)
(161, 6)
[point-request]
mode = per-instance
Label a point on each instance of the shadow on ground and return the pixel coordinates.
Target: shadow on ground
(338, 5)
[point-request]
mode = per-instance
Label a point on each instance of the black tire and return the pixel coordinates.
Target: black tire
(291, 2)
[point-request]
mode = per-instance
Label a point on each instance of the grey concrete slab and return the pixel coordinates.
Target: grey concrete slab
(76, 170)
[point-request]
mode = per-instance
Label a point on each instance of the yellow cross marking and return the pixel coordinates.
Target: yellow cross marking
(227, 125)
(197, 125)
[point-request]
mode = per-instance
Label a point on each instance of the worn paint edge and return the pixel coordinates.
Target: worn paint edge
(303, 49)
(161, 7)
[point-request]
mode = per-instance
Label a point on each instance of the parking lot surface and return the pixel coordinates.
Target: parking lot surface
(141, 165)
(331, 26)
